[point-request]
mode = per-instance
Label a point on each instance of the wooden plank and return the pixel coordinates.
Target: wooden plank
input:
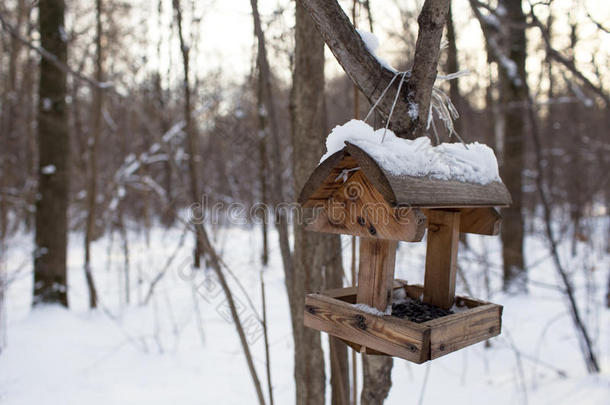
(454, 332)
(363, 349)
(376, 272)
(326, 179)
(357, 208)
(386, 334)
(324, 224)
(416, 291)
(373, 172)
(346, 294)
(426, 191)
(482, 221)
(441, 257)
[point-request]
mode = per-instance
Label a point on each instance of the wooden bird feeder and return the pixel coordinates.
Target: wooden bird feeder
(352, 194)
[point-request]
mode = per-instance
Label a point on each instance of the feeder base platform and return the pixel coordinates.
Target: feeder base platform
(332, 311)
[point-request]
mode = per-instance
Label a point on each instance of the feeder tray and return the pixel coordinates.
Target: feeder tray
(332, 311)
(349, 193)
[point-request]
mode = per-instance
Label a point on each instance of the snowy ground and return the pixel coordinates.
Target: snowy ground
(180, 348)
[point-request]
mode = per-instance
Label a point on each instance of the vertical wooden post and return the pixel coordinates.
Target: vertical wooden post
(441, 257)
(376, 272)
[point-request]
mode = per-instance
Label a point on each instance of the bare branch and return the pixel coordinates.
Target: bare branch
(598, 24)
(567, 63)
(370, 76)
(431, 22)
(585, 339)
(358, 63)
(276, 178)
(51, 58)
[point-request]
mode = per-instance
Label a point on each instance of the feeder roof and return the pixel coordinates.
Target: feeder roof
(398, 190)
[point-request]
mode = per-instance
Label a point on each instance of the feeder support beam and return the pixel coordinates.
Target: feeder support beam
(376, 272)
(441, 257)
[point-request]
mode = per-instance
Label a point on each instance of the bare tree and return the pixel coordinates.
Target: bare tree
(3, 284)
(608, 292)
(190, 129)
(263, 165)
(93, 142)
(311, 249)
(277, 195)
(54, 176)
(513, 96)
(308, 133)
(579, 324)
(203, 245)
(505, 37)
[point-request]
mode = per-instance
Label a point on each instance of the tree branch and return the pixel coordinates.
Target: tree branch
(369, 75)
(567, 63)
(51, 58)
(598, 24)
(358, 63)
(431, 22)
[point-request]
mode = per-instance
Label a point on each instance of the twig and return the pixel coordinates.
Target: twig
(214, 260)
(586, 344)
(266, 338)
(519, 364)
(168, 263)
(48, 56)
(598, 24)
(569, 64)
(198, 318)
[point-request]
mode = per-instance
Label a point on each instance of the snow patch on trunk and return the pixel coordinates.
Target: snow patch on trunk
(48, 169)
(372, 44)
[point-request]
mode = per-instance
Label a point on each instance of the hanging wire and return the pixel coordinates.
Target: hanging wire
(381, 96)
(439, 102)
(402, 79)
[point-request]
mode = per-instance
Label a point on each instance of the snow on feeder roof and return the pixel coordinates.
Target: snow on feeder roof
(408, 172)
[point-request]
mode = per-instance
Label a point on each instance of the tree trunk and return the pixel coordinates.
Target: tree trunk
(608, 292)
(191, 134)
(93, 142)
(277, 167)
(431, 22)
(263, 170)
(3, 278)
(308, 134)
(168, 214)
(513, 97)
(377, 379)
(339, 374)
(54, 151)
